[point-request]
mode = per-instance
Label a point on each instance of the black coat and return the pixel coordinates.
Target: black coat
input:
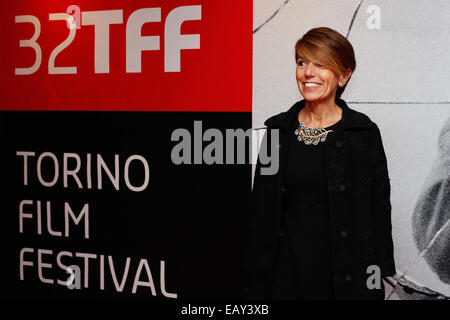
(360, 208)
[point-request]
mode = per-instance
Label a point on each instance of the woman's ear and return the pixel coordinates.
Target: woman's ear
(343, 78)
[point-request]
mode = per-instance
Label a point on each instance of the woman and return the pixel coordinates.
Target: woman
(321, 225)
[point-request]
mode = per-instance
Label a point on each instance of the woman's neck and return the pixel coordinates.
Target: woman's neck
(320, 113)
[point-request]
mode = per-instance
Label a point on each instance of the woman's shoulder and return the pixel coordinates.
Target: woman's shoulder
(284, 118)
(275, 119)
(359, 119)
(353, 118)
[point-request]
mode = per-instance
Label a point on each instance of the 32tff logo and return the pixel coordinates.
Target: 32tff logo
(135, 44)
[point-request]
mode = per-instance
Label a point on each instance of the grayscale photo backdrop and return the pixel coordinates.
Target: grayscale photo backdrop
(401, 82)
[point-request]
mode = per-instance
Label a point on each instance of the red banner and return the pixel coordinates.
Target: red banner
(184, 55)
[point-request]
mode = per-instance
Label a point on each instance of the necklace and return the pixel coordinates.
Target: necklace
(311, 136)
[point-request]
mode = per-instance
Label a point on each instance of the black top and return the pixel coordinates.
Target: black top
(304, 261)
(306, 164)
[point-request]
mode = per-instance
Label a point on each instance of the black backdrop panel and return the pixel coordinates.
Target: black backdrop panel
(190, 221)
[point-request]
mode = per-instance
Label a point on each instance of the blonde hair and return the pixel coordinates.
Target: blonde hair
(329, 48)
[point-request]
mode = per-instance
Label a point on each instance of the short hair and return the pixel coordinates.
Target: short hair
(329, 48)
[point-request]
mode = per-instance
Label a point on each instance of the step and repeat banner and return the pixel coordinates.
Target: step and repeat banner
(122, 125)
(401, 47)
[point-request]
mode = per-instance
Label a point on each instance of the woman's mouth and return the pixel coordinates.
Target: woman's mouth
(311, 85)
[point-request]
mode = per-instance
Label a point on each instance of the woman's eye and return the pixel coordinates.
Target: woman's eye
(301, 62)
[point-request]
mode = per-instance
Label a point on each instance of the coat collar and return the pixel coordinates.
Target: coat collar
(350, 117)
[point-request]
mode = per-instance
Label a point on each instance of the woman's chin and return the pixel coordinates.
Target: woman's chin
(316, 97)
(313, 97)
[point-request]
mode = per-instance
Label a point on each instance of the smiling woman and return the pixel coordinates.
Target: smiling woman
(328, 49)
(325, 63)
(322, 222)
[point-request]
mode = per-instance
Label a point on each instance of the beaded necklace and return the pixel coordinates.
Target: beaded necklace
(311, 136)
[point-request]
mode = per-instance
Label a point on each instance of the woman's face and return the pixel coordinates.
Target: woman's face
(315, 82)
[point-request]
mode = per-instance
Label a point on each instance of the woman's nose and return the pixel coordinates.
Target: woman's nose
(310, 70)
